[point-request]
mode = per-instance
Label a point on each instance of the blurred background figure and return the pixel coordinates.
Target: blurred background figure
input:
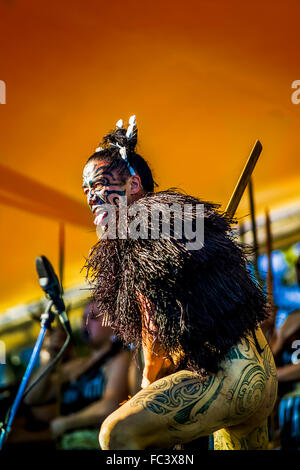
(68, 405)
(283, 334)
(286, 350)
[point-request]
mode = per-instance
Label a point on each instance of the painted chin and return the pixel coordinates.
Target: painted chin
(100, 218)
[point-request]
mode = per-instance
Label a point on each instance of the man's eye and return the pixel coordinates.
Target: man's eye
(101, 183)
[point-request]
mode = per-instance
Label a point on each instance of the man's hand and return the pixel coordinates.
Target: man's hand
(156, 368)
(58, 426)
(157, 362)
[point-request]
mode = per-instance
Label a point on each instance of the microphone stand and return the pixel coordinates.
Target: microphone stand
(46, 319)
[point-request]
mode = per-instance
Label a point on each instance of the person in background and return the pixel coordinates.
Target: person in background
(286, 350)
(86, 389)
(285, 345)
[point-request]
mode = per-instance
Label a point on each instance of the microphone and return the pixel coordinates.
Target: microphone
(50, 284)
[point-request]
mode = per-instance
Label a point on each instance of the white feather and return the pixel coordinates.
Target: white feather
(123, 152)
(132, 125)
(132, 120)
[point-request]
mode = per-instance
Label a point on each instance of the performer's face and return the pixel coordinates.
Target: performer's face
(102, 186)
(93, 332)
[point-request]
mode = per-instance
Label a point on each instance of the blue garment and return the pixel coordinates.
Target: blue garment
(82, 392)
(88, 387)
(289, 422)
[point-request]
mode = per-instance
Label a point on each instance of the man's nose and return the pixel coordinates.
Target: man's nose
(92, 197)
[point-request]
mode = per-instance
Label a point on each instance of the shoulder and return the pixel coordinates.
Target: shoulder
(249, 360)
(118, 363)
(71, 367)
(249, 352)
(251, 378)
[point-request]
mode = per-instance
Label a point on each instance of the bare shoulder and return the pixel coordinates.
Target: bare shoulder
(72, 369)
(252, 380)
(118, 363)
(251, 356)
(252, 392)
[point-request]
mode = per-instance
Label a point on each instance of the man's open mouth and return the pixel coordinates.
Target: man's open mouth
(100, 215)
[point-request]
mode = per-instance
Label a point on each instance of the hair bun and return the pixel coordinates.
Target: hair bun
(123, 137)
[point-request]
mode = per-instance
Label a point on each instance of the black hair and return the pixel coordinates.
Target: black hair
(112, 156)
(203, 301)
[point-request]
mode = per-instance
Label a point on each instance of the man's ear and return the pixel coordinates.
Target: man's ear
(135, 184)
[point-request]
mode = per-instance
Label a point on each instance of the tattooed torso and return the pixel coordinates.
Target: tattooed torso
(233, 405)
(253, 395)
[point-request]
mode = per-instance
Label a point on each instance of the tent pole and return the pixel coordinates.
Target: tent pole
(61, 254)
(254, 229)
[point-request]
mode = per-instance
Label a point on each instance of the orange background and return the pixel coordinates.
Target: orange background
(205, 79)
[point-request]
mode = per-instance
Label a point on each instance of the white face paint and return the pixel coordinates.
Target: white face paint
(101, 187)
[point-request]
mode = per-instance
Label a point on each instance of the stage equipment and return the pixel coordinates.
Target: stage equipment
(50, 284)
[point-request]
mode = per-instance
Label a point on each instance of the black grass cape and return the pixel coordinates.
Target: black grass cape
(203, 301)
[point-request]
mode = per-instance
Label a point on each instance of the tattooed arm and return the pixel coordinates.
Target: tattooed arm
(163, 414)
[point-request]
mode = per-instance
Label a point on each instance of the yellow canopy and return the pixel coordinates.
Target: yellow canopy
(205, 80)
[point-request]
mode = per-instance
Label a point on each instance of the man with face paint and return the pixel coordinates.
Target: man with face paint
(196, 314)
(116, 171)
(107, 177)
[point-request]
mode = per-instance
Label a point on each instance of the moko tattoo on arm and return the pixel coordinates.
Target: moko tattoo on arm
(182, 394)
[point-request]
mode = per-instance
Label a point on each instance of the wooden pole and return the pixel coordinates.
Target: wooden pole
(269, 246)
(271, 337)
(243, 180)
(61, 254)
(254, 230)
